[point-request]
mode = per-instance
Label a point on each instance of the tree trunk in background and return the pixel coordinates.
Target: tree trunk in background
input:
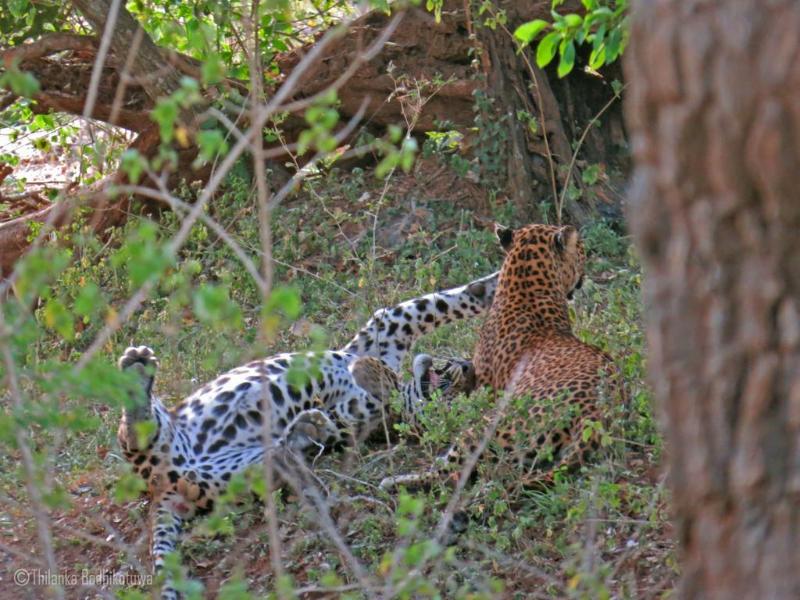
(422, 50)
(420, 54)
(714, 113)
(150, 70)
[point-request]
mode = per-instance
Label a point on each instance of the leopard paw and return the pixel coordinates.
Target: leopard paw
(141, 360)
(141, 355)
(311, 428)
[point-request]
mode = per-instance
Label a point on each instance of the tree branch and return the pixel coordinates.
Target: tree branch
(156, 77)
(46, 45)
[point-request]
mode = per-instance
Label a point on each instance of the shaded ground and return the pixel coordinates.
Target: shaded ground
(638, 553)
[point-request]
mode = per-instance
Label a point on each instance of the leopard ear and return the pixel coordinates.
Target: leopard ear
(566, 239)
(505, 235)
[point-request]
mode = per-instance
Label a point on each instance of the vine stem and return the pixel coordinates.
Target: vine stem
(540, 104)
(578, 146)
(550, 162)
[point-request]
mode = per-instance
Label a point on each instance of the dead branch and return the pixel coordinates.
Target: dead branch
(62, 63)
(46, 45)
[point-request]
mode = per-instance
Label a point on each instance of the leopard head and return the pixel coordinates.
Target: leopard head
(451, 376)
(542, 258)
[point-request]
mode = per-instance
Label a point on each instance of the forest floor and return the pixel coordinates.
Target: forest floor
(351, 244)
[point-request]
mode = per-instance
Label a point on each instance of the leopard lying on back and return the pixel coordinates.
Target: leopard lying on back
(218, 431)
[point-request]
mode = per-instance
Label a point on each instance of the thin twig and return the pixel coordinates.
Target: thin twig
(265, 236)
(312, 496)
(38, 508)
(100, 58)
(578, 146)
(463, 478)
(124, 76)
(178, 206)
(163, 195)
(540, 103)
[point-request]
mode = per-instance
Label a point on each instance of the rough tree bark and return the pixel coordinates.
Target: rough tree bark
(149, 69)
(715, 120)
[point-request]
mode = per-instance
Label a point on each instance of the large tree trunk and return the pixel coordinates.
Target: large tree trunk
(715, 120)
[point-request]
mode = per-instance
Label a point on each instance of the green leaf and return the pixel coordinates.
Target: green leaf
(410, 505)
(213, 69)
(213, 305)
(42, 122)
(285, 299)
(396, 133)
(546, 49)
(304, 141)
(55, 498)
(143, 255)
(527, 32)
(324, 116)
(89, 300)
(234, 589)
(128, 488)
(285, 586)
(37, 269)
(145, 431)
(573, 20)
(198, 35)
(597, 58)
(567, 59)
(258, 486)
(218, 524)
(133, 164)
(165, 114)
(211, 143)
(18, 8)
(58, 318)
(591, 174)
(21, 83)
(297, 375)
(407, 153)
(613, 45)
(388, 163)
(435, 6)
(330, 579)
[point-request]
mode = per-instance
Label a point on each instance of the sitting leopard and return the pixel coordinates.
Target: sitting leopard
(218, 431)
(526, 348)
